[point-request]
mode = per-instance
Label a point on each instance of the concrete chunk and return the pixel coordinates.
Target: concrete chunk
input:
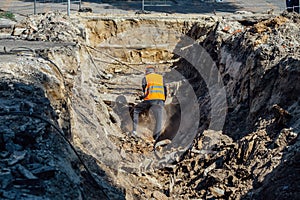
(25, 172)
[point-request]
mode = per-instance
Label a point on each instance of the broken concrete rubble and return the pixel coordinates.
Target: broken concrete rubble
(50, 27)
(32, 153)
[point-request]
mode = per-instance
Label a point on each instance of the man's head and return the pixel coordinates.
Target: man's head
(149, 69)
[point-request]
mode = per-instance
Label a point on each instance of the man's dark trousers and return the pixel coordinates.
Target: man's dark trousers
(157, 108)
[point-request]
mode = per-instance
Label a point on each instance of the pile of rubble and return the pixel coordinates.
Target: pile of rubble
(29, 144)
(51, 26)
(36, 159)
(259, 66)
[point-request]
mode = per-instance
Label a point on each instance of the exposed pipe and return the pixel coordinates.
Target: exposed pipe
(106, 54)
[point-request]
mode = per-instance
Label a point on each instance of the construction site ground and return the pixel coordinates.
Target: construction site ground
(127, 7)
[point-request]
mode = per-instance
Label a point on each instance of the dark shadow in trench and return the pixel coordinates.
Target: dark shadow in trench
(284, 181)
(173, 116)
(29, 124)
(124, 110)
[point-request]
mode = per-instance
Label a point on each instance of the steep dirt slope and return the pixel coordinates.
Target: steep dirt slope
(37, 162)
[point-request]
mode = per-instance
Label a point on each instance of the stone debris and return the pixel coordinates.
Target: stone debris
(54, 27)
(159, 196)
(31, 149)
(25, 172)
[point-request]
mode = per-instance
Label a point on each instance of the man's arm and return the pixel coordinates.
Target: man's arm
(144, 85)
(165, 89)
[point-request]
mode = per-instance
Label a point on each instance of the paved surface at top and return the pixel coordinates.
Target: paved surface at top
(123, 7)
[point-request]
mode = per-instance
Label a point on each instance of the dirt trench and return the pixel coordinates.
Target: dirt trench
(232, 110)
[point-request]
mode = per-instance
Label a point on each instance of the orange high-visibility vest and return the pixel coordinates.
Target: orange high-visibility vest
(155, 87)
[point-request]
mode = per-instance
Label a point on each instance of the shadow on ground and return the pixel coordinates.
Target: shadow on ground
(36, 159)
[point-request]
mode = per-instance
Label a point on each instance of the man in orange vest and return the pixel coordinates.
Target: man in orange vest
(154, 96)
